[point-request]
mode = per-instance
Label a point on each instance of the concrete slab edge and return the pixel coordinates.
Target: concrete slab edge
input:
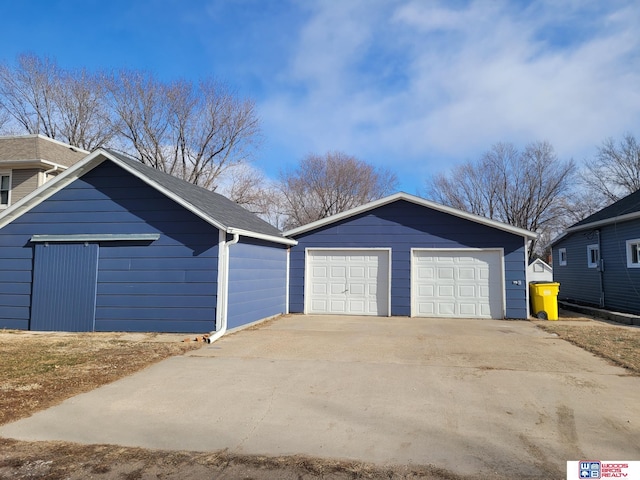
(618, 317)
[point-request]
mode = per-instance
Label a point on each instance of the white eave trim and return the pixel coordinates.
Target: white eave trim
(35, 163)
(261, 236)
(418, 201)
(91, 237)
(606, 221)
(92, 161)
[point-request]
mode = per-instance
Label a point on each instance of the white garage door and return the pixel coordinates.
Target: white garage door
(348, 282)
(457, 283)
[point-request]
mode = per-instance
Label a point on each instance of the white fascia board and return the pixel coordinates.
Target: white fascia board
(51, 187)
(35, 163)
(196, 211)
(92, 161)
(261, 236)
(606, 221)
(418, 201)
(168, 193)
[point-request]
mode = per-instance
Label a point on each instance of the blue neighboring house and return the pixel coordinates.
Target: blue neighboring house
(597, 260)
(403, 255)
(113, 245)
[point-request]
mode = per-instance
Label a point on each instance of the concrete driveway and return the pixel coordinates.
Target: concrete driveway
(471, 396)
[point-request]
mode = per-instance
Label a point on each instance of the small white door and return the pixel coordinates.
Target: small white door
(347, 282)
(462, 284)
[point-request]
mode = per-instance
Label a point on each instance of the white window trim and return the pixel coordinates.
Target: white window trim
(562, 257)
(591, 248)
(2, 174)
(629, 244)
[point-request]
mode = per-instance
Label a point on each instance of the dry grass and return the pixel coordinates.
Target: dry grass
(617, 343)
(39, 371)
(62, 460)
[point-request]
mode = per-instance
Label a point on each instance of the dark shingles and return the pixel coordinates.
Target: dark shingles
(216, 206)
(626, 205)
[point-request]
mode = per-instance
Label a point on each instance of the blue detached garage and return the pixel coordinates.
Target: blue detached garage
(114, 245)
(403, 255)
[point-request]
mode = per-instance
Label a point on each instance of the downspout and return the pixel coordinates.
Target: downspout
(47, 172)
(600, 270)
(215, 335)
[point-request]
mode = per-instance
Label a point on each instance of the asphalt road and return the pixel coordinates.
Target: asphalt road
(471, 396)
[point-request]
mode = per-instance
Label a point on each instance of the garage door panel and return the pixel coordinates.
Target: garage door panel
(446, 309)
(457, 283)
(467, 273)
(445, 273)
(319, 272)
(320, 288)
(468, 291)
(358, 283)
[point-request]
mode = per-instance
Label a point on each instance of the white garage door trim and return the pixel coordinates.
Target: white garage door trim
(382, 290)
(496, 303)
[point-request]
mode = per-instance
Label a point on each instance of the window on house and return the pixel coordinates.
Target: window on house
(593, 256)
(5, 189)
(633, 253)
(562, 257)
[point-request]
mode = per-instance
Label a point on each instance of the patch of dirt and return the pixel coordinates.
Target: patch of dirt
(67, 461)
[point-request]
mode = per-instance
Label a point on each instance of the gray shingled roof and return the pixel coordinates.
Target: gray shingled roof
(624, 206)
(216, 206)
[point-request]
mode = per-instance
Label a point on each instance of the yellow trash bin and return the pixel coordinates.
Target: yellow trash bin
(544, 299)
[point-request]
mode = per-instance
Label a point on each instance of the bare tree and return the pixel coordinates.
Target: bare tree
(525, 189)
(194, 132)
(42, 98)
(85, 118)
(614, 172)
(321, 186)
(27, 93)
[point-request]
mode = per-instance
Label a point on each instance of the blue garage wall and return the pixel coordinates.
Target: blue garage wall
(166, 285)
(401, 226)
(257, 281)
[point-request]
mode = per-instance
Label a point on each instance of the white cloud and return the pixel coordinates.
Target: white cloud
(413, 80)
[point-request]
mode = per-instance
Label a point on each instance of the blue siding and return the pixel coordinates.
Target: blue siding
(581, 284)
(257, 281)
(166, 285)
(402, 226)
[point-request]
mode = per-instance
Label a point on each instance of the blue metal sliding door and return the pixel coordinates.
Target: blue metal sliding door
(64, 287)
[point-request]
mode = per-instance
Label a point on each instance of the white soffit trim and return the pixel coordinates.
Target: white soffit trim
(418, 201)
(261, 236)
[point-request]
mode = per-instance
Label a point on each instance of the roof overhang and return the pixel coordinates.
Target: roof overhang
(595, 225)
(35, 163)
(418, 201)
(95, 159)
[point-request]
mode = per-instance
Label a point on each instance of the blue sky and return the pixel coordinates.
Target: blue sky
(413, 86)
